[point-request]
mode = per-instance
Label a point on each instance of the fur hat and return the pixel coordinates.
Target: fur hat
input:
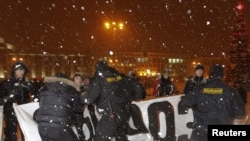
(199, 66)
(216, 71)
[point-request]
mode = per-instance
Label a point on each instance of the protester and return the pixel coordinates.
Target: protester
(109, 90)
(138, 91)
(197, 80)
(91, 107)
(216, 103)
(78, 79)
(164, 86)
(16, 89)
(59, 107)
(86, 81)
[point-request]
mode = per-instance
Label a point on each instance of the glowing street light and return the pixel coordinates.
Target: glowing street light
(114, 26)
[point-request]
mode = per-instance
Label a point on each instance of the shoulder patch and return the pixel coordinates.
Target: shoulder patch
(113, 79)
(212, 90)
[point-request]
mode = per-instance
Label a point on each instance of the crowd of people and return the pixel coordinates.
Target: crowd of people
(62, 101)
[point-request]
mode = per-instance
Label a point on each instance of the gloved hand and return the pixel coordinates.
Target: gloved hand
(182, 108)
(11, 98)
(35, 98)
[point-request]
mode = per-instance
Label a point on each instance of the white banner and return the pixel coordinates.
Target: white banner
(28, 126)
(1, 121)
(150, 119)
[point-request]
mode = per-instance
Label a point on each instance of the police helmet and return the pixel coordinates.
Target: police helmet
(216, 71)
(19, 65)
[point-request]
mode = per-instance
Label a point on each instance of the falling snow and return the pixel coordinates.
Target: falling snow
(74, 26)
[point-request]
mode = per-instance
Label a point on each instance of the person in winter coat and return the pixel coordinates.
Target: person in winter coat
(138, 91)
(78, 79)
(110, 92)
(59, 107)
(197, 80)
(216, 103)
(16, 89)
(164, 86)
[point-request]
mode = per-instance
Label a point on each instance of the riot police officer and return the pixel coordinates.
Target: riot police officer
(16, 89)
(111, 93)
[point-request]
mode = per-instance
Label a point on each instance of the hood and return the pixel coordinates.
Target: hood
(54, 79)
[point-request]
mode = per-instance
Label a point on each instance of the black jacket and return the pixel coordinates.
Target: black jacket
(59, 102)
(138, 91)
(20, 91)
(215, 103)
(108, 85)
(194, 82)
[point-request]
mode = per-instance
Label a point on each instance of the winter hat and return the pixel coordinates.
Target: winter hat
(199, 66)
(18, 65)
(216, 71)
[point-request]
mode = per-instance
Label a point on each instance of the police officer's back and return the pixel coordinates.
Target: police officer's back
(111, 94)
(216, 103)
(59, 106)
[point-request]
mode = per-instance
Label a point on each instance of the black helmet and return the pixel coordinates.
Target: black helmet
(19, 65)
(101, 65)
(216, 71)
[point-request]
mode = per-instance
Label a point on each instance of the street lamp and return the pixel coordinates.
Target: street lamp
(114, 26)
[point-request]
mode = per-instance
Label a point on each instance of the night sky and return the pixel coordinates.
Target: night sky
(194, 27)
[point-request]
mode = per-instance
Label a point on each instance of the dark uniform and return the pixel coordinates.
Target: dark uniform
(196, 81)
(138, 90)
(216, 103)
(15, 90)
(59, 106)
(110, 92)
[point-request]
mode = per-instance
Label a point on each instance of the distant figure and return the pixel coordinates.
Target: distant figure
(59, 107)
(242, 91)
(138, 91)
(164, 86)
(16, 89)
(216, 103)
(86, 81)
